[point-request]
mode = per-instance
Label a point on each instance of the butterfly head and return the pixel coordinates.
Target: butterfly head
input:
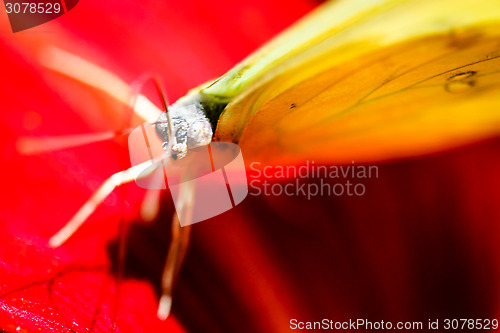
(184, 127)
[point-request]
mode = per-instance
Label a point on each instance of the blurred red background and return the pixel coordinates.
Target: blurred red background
(422, 242)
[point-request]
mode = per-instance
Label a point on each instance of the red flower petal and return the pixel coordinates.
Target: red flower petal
(72, 288)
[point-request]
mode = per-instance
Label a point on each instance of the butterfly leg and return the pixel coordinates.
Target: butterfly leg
(150, 207)
(176, 254)
(92, 75)
(117, 179)
(178, 248)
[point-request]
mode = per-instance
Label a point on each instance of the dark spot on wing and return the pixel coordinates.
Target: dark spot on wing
(461, 76)
(461, 81)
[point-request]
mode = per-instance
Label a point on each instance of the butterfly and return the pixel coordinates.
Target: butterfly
(354, 80)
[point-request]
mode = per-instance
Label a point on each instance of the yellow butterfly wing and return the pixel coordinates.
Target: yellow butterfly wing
(368, 80)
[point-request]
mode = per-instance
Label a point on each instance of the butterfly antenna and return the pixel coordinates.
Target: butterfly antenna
(151, 203)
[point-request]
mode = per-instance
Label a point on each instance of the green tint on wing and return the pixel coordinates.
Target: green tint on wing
(343, 30)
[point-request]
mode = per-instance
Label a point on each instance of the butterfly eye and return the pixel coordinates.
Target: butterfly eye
(200, 133)
(162, 128)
